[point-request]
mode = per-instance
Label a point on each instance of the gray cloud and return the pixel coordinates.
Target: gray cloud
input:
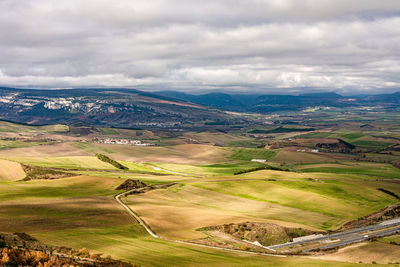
(348, 46)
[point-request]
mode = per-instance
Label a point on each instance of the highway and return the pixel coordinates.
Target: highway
(341, 239)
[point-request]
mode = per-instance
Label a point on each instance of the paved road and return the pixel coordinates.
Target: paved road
(341, 239)
(356, 239)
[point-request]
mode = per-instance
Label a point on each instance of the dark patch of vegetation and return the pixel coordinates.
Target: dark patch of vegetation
(20, 249)
(341, 146)
(388, 192)
(25, 237)
(36, 173)
(265, 233)
(131, 184)
(116, 164)
(396, 164)
(387, 213)
(282, 130)
(266, 167)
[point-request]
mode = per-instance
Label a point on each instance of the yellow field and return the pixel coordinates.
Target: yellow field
(14, 127)
(288, 156)
(214, 137)
(61, 150)
(188, 154)
(73, 162)
(177, 211)
(10, 171)
(368, 252)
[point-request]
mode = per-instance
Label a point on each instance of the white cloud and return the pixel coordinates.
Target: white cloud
(198, 45)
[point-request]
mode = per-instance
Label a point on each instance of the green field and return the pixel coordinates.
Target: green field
(252, 153)
(228, 168)
(108, 131)
(75, 162)
(80, 212)
(7, 144)
(133, 244)
(16, 128)
(337, 200)
(360, 168)
(317, 191)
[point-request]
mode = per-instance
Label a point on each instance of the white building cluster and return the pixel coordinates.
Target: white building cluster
(116, 141)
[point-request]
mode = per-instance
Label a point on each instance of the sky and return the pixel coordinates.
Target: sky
(284, 46)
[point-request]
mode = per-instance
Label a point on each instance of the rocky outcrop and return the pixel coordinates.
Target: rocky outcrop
(264, 233)
(20, 249)
(374, 218)
(130, 184)
(339, 146)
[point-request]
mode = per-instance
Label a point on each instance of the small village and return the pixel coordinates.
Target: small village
(115, 141)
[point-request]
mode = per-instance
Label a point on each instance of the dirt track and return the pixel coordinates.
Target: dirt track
(147, 228)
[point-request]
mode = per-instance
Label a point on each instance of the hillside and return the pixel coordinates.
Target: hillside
(260, 103)
(126, 108)
(20, 249)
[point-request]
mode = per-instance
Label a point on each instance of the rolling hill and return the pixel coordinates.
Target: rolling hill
(260, 103)
(126, 108)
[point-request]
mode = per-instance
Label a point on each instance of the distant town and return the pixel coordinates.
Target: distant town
(118, 141)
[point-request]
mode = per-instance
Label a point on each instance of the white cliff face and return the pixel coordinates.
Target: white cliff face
(94, 107)
(27, 102)
(111, 109)
(57, 103)
(5, 99)
(8, 98)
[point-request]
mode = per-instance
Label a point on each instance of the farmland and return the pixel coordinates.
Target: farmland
(211, 183)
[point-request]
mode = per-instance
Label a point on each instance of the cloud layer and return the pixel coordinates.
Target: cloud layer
(188, 45)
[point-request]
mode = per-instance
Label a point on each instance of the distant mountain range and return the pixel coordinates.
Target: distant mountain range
(127, 108)
(273, 103)
(130, 108)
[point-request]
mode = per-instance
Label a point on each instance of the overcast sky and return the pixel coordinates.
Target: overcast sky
(287, 46)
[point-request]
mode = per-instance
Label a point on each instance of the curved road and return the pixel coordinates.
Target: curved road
(147, 228)
(346, 237)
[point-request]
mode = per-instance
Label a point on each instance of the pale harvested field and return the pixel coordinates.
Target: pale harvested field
(63, 149)
(71, 162)
(203, 153)
(301, 157)
(186, 154)
(10, 171)
(271, 174)
(214, 137)
(368, 252)
(177, 211)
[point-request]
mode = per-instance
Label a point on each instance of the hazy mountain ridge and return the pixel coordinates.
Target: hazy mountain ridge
(273, 102)
(111, 107)
(130, 108)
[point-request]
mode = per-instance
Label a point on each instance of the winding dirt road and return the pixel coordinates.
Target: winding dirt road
(147, 228)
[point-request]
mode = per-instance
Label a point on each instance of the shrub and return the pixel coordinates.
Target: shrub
(266, 167)
(116, 164)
